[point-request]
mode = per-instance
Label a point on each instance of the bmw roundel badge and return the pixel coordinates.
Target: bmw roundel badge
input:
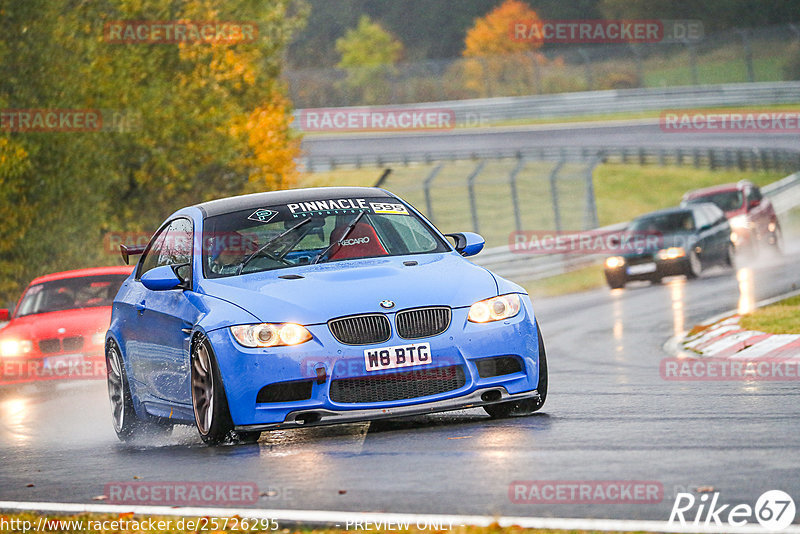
(388, 304)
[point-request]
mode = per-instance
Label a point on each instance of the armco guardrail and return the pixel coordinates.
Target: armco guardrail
(493, 110)
(712, 158)
(784, 194)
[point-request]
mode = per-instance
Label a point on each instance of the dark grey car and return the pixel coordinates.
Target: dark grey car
(689, 239)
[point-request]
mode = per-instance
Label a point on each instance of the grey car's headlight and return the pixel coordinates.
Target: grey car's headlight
(671, 253)
(495, 308)
(270, 334)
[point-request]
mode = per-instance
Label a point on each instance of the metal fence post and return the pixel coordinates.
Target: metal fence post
(536, 75)
(748, 55)
(587, 61)
(512, 180)
(472, 201)
(426, 185)
(692, 60)
(554, 193)
(591, 219)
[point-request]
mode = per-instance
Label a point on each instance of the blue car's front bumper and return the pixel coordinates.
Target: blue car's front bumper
(312, 367)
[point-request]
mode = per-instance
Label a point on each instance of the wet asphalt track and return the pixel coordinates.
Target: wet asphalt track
(609, 416)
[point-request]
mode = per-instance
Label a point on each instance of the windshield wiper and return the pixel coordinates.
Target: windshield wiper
(262, 248)
(347, 231)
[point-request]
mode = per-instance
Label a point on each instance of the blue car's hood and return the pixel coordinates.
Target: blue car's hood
(340, 288)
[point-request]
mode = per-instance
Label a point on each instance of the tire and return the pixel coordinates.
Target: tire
(615, 282)
(209, 402)
(730, 257)
(524, 406)
(694, 267)
(127, 424)
(777, 241)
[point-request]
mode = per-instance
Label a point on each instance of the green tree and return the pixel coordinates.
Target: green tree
(368, 52)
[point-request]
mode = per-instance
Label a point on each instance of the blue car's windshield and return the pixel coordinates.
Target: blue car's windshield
(276, 237)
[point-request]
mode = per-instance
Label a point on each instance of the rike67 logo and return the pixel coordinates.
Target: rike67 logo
(774, 511)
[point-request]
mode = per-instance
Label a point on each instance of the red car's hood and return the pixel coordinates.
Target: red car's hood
(80, 322)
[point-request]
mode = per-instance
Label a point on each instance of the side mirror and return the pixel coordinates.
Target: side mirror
(467, 243)
(4, 314)
(161, 278)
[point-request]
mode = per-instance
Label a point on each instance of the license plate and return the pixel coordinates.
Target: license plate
(642, 268)
(397, 356)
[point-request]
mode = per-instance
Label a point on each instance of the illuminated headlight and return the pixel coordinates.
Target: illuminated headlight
(740, 221)
(615, 261)
(270, 334)
(671, 253)
(495, 309)
(99, 338)
(771, 226)
(734, 237)
(15, 347)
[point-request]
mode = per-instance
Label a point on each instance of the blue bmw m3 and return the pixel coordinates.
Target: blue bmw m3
(310, 307)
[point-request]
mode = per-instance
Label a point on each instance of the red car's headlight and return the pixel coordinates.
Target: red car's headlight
(15, 347)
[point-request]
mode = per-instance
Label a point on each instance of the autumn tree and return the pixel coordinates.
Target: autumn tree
(211, 121)
(368, 53)
(495, 56)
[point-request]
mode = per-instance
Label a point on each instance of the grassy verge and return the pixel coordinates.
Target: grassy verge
(780, 318)
(130, 524)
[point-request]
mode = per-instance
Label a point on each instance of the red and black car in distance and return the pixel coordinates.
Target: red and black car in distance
(57, 329)
(752, 217)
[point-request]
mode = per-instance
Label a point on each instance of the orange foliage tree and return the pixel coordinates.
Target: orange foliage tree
(496, 61)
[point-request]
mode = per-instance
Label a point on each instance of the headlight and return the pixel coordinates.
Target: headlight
(740, 221)
(270, 334)
(99, 338)
(15, 347)
(615, 261)
(494, 309)
(771, 226)
(671, 253)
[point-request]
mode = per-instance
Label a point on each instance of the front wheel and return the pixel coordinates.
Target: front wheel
(615, 281)
(210, 404)
(694, 267)
(524, 406)
(730, 257)
(777, 241)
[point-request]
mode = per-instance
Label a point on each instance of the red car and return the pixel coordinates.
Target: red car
(57, 330)
(752, 217)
